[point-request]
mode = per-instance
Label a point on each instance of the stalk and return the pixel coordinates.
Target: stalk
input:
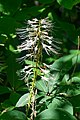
(37, 58)
(36, 36)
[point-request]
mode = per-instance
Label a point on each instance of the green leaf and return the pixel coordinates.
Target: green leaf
(45, 99)
(75, 79)
(13, 115)
(23, 100)
(40, 94)
(3, 67)
(10, 6)
(62, 64)
(75, 52)
(75, 100)
(77, 74)
(61, 103)
(4, 90)
(41, 85)
(55, 114)
(6, 104)
(69, 30)
(8, 25)
(14, 98)
(65, 63)
(69, 3)
(69, 88)
(73, 92)
(1, 8)
(28, 13)
(12, 68)
(76, 59)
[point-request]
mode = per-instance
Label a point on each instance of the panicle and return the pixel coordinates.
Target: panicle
(36, 37)
(35, 31)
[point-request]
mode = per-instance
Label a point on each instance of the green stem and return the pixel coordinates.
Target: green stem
(37, 58)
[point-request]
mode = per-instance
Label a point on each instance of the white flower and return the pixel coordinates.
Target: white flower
(36, 36)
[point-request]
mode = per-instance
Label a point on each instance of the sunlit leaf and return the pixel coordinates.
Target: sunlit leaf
(23, 100)
(41, 85)
(69, 3)
(55, 114)
(61, 103)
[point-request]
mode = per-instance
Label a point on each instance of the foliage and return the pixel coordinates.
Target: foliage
(59, 97)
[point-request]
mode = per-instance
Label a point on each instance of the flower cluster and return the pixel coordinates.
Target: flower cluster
(36, 37)
(35, 32)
